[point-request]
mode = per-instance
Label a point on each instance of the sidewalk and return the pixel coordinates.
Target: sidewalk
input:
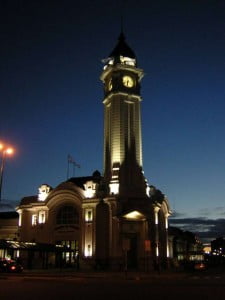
(132, 275)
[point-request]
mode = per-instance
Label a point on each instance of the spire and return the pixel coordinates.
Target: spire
(122, 48)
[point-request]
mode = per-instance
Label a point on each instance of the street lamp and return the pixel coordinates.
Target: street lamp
(5, 150)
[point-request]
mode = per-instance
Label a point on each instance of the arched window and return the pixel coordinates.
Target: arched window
(67, 215)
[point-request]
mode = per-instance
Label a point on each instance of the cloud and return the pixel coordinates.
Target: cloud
(177, 214)
(215, 211)
(206, 229)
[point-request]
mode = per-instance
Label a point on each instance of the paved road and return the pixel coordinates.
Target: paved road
(100, 286)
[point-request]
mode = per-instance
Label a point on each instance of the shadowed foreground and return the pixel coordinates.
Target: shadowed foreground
(105, 285)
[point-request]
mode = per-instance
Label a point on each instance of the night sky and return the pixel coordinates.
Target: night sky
(51, 96)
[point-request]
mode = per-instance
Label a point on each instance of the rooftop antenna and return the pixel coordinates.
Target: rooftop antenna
(122, 4)
(121, 24)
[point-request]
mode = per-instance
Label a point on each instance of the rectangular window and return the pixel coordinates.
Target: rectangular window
(20, 219)
(88, 215)
(34, 220)
(41, 217)
(88, 251)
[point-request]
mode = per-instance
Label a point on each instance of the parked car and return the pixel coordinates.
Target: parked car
(10, 266)
(199, 266)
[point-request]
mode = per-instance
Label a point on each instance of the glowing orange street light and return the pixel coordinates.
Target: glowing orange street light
(5, 150)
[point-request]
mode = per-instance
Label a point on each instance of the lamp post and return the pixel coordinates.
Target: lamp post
(5, 150)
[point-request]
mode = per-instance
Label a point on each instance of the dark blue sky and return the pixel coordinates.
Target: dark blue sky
(51, 94)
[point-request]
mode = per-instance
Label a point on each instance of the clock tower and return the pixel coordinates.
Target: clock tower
(122, 122)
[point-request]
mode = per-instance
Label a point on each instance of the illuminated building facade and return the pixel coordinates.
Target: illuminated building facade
(114, 220)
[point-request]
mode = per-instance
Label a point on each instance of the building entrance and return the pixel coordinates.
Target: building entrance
(130, 248)
(132, 261)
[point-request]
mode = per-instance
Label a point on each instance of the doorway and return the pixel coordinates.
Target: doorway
(132, 253)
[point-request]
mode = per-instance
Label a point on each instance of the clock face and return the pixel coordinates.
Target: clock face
(128, 81)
